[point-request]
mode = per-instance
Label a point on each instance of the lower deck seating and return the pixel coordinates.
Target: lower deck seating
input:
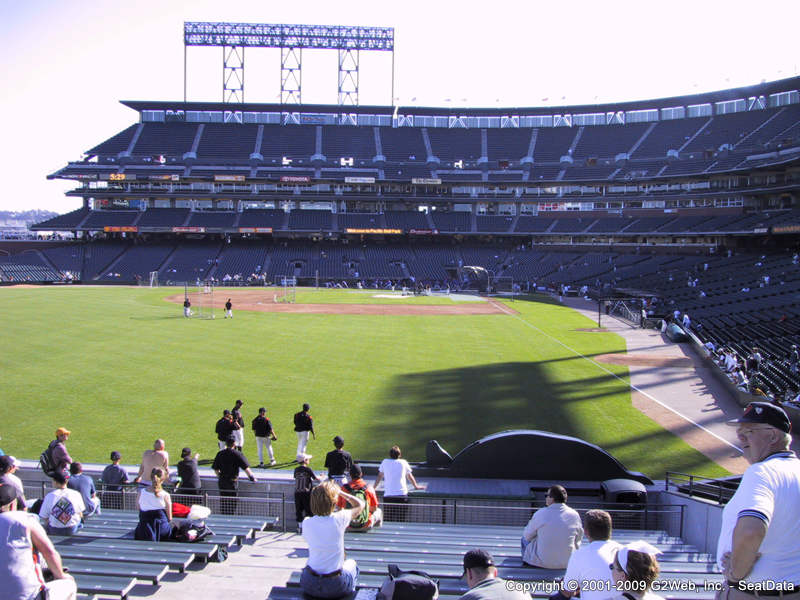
(105, 562)
(438, 550)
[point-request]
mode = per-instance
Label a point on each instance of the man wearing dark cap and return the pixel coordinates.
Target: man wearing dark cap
(21, 537)
(189, 475)
(224, 428)
(303, 425)
(482, 579)
(759, 540)
(338, 461)
(112, 479)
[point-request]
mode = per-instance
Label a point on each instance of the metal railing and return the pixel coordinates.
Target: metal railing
(707, 488)
(462, 510)
(517, 513)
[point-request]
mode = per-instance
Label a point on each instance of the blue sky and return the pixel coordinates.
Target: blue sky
(66, 65)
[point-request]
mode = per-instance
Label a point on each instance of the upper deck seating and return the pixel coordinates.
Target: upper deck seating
(494, 223)
(533, 224)
(668, 135)
(164, 217)
(455, 144)
(66, 221)
(608, 141)
(348, 142)
(309, 220)
(263, 217)
(359, 221)
(212, 218)
(552, 143)
(115, 144)
(293, 141)
(167, 139)
(111, 218)
(403, 144)
(227, 142)
(507, 144)
(452, 221)
(406, 220)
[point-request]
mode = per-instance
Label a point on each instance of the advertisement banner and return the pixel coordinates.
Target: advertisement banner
(375, 231)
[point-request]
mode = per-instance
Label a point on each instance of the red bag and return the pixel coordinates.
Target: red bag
(179, 511)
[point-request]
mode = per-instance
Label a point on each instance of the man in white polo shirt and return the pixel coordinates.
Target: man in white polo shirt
(759, 542)
(588, 565)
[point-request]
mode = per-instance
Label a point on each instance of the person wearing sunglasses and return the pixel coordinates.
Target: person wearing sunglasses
(759, 542)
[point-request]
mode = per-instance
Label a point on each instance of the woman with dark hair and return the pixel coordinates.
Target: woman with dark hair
(155, 510)
(395, 470)
(634, 570)
(327, 573)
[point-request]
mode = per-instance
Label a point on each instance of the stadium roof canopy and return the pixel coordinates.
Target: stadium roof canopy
(763, 89)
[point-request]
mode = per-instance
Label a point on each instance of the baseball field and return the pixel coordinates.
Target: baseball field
(120, 366)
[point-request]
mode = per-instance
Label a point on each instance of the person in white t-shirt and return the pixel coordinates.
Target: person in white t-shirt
(327, 574)
(759, 539)
(588, 565)
(63, 508)
(395, 471)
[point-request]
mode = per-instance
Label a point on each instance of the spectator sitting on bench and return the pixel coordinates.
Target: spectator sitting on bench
(553, 533)
(84, 485)
(112, 479)
(372, 515)
(483, 582)
(62, 508)
(327, 573)
(155, 510)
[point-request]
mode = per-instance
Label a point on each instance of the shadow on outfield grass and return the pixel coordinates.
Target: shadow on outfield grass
(458, 406)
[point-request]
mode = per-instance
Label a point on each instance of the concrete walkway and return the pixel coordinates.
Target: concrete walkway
(675, 386)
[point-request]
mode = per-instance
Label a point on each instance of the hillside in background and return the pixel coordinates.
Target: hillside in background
(23, 218)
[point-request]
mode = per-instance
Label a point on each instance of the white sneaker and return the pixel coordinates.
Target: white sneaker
(273, 462)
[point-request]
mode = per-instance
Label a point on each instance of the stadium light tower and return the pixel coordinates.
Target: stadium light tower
(291, 39)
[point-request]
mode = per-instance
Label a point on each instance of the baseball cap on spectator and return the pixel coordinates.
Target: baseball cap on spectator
(765, 413)
(186, 452)
(306, 406)
(62, 431)
(477, 558)
(356, 472)
(115, 455)
(7, 494)
(338, 441)
(60, 477)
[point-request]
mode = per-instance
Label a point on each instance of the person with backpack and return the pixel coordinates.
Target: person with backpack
(372, 515)
(56, 458)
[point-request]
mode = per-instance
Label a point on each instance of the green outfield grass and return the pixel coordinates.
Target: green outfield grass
(121, 366)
